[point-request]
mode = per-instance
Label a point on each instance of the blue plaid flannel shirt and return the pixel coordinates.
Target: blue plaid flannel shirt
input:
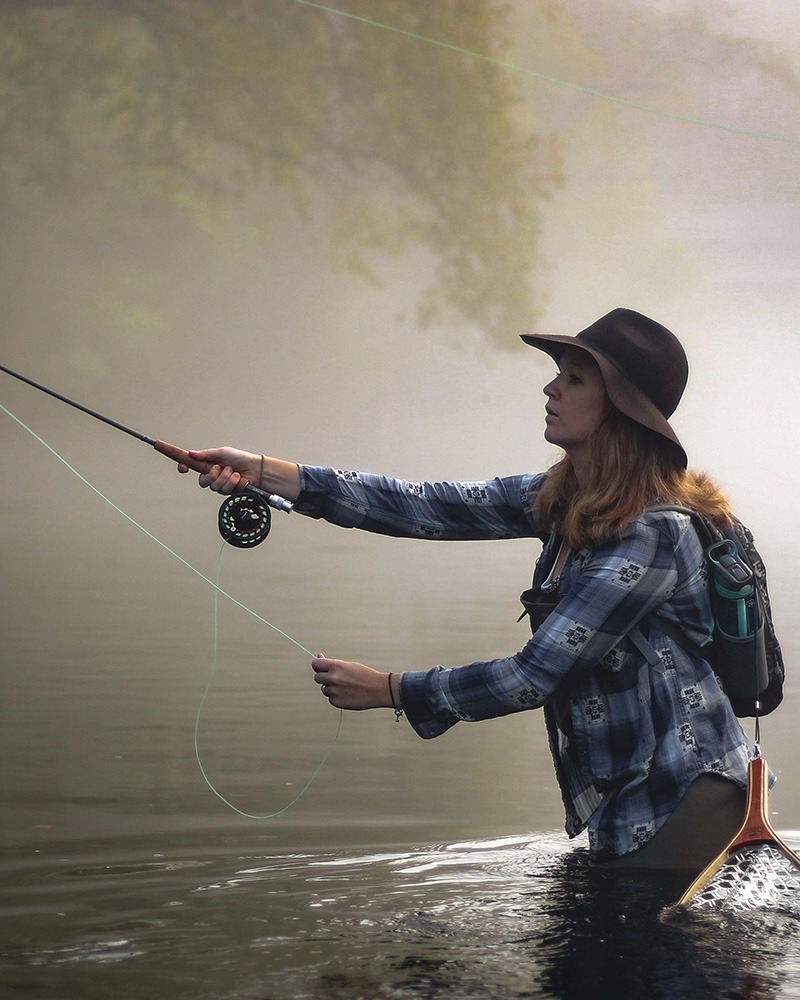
(627, 738)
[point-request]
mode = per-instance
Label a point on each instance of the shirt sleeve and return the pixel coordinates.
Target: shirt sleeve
(608, 591)
(494, 508)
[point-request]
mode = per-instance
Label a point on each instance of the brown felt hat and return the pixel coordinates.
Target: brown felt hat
(643, 365)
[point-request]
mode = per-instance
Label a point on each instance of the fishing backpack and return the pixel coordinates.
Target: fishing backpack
(744, 650)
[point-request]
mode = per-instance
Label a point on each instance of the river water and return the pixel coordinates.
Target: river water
(129, 281)
(406, 869)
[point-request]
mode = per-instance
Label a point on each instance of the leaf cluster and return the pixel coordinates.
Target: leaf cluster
(407, 146)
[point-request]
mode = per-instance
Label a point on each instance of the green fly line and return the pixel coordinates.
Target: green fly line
(555, 81)
(211, 676)
(218, 592)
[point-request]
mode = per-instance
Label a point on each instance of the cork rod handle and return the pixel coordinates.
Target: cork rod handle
(180, 455)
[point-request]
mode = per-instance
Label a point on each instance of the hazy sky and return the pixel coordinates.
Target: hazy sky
(214, 332)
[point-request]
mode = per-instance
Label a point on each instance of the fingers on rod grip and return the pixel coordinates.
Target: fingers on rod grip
(182, 457)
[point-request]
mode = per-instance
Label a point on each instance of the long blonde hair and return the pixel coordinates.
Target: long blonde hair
(629, 470)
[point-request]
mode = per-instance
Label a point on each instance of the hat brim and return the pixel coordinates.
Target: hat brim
(624, 395)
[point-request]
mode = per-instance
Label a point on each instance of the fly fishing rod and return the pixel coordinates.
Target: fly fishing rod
(244, 518)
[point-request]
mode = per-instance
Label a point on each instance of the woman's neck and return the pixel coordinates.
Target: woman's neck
(579, 460)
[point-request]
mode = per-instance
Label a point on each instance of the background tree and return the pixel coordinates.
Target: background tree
(187, 105)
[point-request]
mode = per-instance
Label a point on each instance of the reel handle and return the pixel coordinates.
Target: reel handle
(182, 457)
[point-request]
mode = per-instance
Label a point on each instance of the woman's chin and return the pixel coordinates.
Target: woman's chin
(551, 436)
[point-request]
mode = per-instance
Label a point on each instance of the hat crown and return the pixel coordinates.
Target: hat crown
(646, 353)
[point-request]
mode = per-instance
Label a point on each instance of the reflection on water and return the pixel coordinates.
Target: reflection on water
(511, 917)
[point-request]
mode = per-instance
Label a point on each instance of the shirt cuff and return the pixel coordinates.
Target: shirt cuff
(307, 502)
(416, 702)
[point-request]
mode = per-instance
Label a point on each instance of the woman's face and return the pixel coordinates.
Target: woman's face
(576, 401)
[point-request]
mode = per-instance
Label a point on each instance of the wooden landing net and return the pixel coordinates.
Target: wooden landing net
(757, 870)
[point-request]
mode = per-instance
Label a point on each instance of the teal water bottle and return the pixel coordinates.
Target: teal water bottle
(739, 637)
(734, 591)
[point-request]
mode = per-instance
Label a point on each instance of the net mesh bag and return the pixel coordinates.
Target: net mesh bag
(758, 876)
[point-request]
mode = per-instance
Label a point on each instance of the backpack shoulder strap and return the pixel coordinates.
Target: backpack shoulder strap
(644, 646)
(674, 631)
(708, 534)
(706, 530)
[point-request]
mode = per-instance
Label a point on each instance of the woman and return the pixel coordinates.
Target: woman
(648, 753)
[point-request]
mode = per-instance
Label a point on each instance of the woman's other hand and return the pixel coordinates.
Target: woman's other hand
(353, 685)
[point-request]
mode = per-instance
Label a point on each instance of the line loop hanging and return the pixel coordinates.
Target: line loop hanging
(218, 592)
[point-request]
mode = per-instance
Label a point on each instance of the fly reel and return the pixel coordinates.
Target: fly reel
(244, 520)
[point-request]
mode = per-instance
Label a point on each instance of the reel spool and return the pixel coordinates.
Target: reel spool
(244, 520)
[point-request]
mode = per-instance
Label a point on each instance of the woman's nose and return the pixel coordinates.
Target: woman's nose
(551, 389)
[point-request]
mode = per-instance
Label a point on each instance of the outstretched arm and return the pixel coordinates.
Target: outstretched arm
(495, 508)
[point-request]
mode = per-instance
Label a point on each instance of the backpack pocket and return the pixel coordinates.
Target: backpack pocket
(537, 604)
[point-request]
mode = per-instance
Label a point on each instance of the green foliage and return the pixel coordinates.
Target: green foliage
(187, 104)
